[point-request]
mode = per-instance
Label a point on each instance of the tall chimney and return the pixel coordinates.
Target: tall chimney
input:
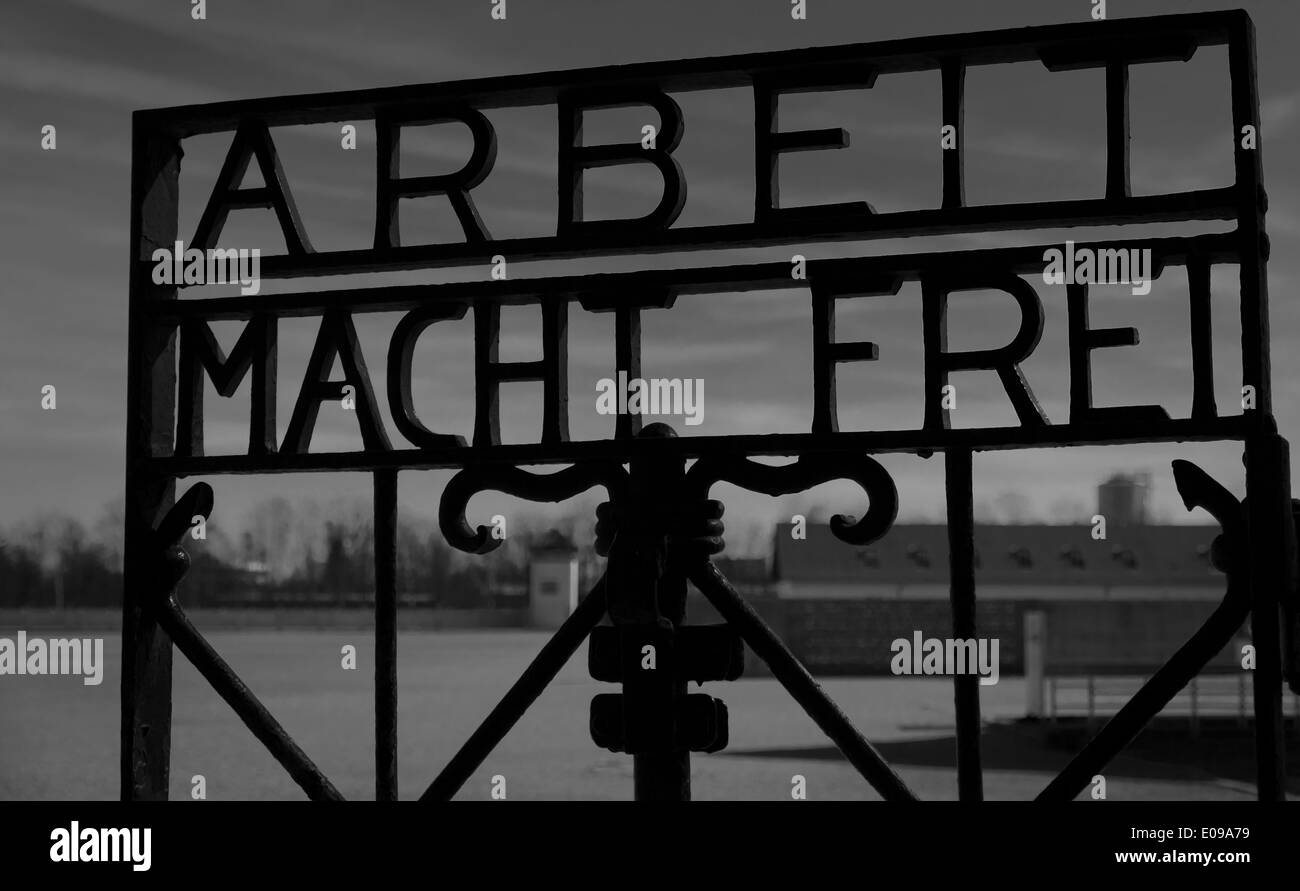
(1122, 499)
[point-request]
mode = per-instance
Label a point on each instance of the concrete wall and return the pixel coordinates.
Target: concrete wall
(838, 636)
(233, 619)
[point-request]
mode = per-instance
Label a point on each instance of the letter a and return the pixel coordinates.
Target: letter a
(1098, 527)
(59, 850)
(798, 787)
(252, 139)
(337, 337)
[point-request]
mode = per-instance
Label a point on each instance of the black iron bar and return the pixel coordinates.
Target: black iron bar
(799, 683)
(889, 56)
(385, 635)
(1271, 572)
(581, 451)
(540, 672)
(1155, 694)
(1271, 539)
(146, 689)
(961, 561)
(250, 710)
(1219, 247)
(953, 73)
(1117, 130)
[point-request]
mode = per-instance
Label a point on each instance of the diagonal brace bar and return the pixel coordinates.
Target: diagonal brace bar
(540, 672)
(1155, 694)
(223, 679)
(799, 683)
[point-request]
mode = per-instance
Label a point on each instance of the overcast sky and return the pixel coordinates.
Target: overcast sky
(1031, 135)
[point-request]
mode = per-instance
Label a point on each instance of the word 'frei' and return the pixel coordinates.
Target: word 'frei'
(89, 845)
(653, 396)
(1108, 266)
(215, 266)
(950, 656)
(56, 656)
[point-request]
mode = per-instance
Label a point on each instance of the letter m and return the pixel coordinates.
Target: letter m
(200, 352)
(961, 656)
(114, 845)
(1112, 266)
(66, 653)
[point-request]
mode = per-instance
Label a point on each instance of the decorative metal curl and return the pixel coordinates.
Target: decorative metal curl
(806, 472)
(170, 561)
(1198, 489)
(551, 487)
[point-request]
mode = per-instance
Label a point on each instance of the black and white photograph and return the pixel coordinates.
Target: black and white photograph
(871, 407)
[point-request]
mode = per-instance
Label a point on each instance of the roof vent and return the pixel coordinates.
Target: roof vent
(1124, 556)
(1072, 556)
(1021, 556)
(918, 555)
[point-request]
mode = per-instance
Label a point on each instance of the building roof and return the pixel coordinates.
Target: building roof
(1030, 554)
(553, 541)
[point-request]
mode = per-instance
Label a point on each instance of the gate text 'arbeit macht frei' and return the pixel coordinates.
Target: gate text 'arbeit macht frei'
(659, 527)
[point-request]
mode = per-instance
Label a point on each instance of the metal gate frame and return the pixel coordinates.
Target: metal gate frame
(659, 527)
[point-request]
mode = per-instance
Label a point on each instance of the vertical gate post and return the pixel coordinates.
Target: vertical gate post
(385, 635)
(655, 489)
(961, 558)
(1272, 554)
(150, 421)
(1271, 538)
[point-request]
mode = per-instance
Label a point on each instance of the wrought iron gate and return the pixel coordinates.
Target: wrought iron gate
(659, 527)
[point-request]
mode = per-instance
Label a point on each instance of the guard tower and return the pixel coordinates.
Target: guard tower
(552, 580)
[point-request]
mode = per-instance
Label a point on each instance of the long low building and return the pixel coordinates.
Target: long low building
(1115, 597)
(1119, 605)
